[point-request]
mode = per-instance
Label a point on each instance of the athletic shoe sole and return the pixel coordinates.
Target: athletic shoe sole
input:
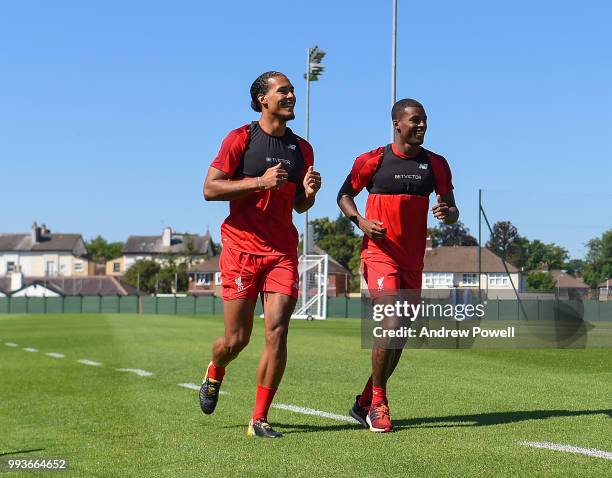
(358, 417)
(377, 430)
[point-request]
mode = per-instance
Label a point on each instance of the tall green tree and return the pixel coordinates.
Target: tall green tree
(451, 235)
(173, 277)
(99, 248)
(339, 239)
(143, 274)
(508, 243)
(598, 267)
(541, 254)
(574, 267)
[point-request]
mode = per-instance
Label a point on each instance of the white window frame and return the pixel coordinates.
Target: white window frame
(116, 267)
(203, 278)
(498, 279)
(78, 266)
(11, 266)
(439, 279)
(218, 278)
(50, 268)
(472, 279)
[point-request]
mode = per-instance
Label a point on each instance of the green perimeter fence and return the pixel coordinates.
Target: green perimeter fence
(342, 307)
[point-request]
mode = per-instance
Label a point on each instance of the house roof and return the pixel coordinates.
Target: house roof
(178, 244)
(210, 265)
(463, 259)
(87, 285)
(48, 242)
(605, 283)
(567, 281)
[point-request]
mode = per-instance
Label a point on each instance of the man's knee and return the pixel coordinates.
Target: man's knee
(276, 337)
(235, 343)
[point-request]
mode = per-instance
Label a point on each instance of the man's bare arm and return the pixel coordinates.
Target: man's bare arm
(218, 186)
(446, 209)
(306, 197)
(371, 228)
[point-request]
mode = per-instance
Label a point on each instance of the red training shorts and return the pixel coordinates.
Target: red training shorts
(384, 277)
(244, 275)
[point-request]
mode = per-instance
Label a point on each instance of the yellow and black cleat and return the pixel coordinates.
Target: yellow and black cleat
(262, 429)
(209, 394)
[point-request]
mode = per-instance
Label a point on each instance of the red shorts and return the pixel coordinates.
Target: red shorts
(244, 275)
(384, 277)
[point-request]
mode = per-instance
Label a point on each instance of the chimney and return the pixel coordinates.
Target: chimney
(167, 237)
(16, 281)
(35, 232)
(428, 244)
(44, 231)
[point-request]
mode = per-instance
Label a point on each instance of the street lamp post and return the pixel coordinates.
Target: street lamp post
(314, 69)
(393, 61)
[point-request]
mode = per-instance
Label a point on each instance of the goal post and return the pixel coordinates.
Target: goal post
(312, 299)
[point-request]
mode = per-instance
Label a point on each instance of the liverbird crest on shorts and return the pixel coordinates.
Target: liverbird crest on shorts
(239, 284)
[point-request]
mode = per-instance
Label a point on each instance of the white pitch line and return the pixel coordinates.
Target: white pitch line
(55, 355)
(287, 407)
(312, 411)
(89, 362)
(193, 386)
(30, 349)
(11, 344)
(137, 371)
(569, 449)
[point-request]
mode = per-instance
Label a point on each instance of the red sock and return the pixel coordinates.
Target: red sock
(215, 373)
(365, 399)
(379, 395)
(263, 400)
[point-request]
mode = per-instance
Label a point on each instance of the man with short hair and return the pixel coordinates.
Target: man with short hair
(399, 178)
(265, 171)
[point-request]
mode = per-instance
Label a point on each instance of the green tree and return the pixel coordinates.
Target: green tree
(451, 235)
(540, 281)
(339, 239)
(598, 267)
(99, 247)
(574, 267)
(143, 274)
(508, 243)
(170, 274)
(541, 254)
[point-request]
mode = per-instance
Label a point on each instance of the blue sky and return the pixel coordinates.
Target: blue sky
(111, 112)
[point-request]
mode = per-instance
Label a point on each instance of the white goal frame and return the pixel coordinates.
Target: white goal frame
(313, 270)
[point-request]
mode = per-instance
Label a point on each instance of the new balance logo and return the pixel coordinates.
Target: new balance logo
(239, 284)
(292, 147)
(380, 283)
(423, 166)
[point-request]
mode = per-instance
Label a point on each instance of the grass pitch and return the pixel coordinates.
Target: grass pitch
(456, 413)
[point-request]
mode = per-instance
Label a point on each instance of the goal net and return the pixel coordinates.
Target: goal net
(312, 299)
